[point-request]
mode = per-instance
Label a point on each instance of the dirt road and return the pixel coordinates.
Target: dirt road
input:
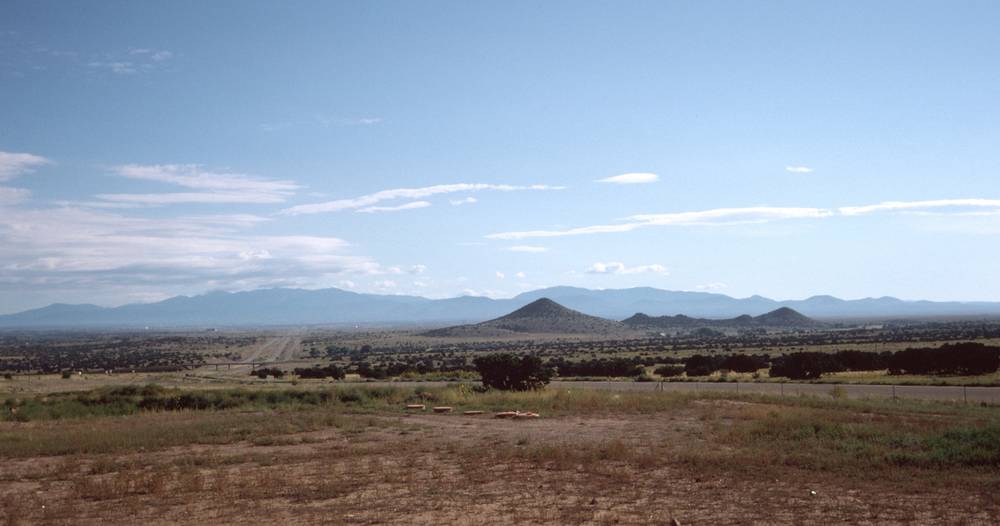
(276, 349)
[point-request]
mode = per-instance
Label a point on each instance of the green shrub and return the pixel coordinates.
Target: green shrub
(509, 372)
(668, 371)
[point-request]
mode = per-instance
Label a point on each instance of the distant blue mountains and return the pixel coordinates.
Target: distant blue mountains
(283, 306)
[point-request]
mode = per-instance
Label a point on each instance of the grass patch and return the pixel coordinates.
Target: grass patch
(809, 432)
(843, 440)
(152, 431)
(129, 400)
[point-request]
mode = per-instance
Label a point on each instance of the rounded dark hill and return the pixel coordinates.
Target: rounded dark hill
(542, 316)
(638, 319)
(541, 308)
(785, 317)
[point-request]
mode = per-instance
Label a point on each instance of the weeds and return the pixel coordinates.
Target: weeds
(843, 441)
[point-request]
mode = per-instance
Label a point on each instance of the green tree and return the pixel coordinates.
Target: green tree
(513, 373)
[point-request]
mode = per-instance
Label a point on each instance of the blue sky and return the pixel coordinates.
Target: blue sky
(149, 149)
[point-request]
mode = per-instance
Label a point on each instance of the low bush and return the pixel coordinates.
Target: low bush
(745, 363)
(669, 371)
(959, 359)
(699, 365)
(804, 365)
(264, 372)
(330, 371)
(614, 367)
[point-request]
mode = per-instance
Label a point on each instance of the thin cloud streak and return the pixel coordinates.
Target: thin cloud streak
(212, 186)
(617, 267)
(749, 215)
(531, 249)
(407, 193)
(917, 205)
(719, 216)
(16, 164)
(192, 197)
(407, 206)
(631, 178)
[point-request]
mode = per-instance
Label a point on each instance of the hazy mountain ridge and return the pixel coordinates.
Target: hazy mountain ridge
(334, 306)
(783, 317)
(542, 316)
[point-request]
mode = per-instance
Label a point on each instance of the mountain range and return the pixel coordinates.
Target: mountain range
(283, 306)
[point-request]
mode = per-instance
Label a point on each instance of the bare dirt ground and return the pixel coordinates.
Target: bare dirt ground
(455, 469)
(278, 348)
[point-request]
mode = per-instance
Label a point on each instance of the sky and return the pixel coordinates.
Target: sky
(787, 149)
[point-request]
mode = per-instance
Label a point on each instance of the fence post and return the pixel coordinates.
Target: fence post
(965, 393)
(737, 388)
(894, 393)
(782, 384)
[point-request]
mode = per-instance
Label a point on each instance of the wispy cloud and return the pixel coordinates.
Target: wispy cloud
(136, 60)
(73, 252)
(465, 201)
(153, 54)
(10, 196)
(192, 197)
(407, 193)
(315, 120)
(407, 206)
(759, 214)
(797, 169)
(212, 186)
(718, 216)
(631, 178)
(527, 248)
(892, 206)
(15, 164)
(616, 267)
(712, 287)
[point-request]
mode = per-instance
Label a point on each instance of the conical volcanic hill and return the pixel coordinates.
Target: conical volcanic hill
(542, 316)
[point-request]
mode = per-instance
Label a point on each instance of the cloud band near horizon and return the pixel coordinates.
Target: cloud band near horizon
(746, 215)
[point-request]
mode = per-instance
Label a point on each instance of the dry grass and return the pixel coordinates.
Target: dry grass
(628, 458)
(152, 431)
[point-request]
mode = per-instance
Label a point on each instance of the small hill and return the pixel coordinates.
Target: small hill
(542, 316)
(783, 317)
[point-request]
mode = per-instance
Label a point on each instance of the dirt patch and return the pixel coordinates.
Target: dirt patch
(456, 469)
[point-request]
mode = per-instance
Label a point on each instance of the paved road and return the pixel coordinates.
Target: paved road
(925, 392)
